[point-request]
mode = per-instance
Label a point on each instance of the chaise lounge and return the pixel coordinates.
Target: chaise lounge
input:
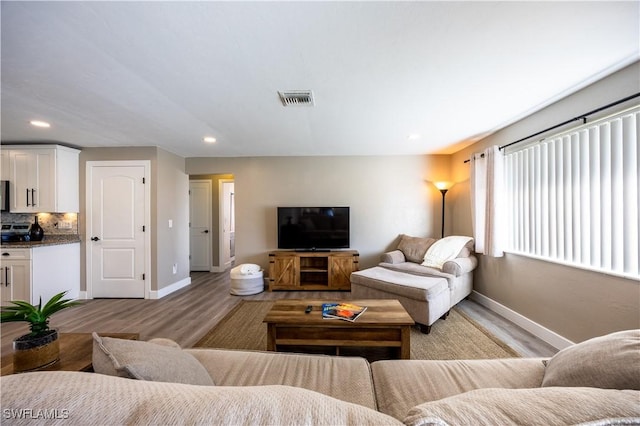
(428, 282)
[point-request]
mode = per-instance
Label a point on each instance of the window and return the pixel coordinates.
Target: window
(573, 198)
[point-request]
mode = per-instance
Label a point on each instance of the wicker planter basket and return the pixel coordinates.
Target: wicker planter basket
(33, 353)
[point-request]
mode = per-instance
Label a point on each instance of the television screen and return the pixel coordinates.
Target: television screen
(311, 228)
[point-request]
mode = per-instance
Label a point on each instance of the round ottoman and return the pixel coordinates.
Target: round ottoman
(246, 279)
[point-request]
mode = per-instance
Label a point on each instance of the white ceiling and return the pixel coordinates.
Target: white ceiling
(109, 74)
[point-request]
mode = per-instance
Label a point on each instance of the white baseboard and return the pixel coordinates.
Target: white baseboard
(82, 295)
(169, 289)
(543, 333)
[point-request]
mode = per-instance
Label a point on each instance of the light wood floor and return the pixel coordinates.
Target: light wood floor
(189, 313)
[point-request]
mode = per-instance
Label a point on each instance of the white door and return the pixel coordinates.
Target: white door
(227, 216)
(116, 204)
(200, 225)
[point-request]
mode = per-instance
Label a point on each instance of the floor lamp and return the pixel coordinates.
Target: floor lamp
(443, 187)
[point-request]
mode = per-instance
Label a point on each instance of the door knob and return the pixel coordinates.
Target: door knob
(95, 239)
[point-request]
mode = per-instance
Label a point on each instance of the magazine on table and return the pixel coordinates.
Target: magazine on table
(344, 311)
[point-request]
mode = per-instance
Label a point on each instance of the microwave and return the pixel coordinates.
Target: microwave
(4, 195)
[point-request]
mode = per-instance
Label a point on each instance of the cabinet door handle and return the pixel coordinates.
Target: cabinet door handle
(6, 254)
(6, 276)
(95, 239)
(33, 197)
(27, 197)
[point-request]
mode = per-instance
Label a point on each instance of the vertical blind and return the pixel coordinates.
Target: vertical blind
(574, 197)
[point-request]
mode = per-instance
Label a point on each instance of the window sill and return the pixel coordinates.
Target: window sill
(576, 265)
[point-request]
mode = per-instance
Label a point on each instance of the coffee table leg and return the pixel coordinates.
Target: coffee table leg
(405, 345)
(271, 337)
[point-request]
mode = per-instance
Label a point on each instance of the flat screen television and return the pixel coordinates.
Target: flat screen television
(313, 228)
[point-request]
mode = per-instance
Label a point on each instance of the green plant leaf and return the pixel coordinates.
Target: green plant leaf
(53, 300)
(36, 316)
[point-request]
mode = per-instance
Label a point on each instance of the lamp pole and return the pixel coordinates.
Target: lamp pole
(444, 191)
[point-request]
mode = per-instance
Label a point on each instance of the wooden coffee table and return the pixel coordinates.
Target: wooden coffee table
(76, 350)
(385, 323)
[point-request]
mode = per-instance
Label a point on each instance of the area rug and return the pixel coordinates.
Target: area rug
(457, 337)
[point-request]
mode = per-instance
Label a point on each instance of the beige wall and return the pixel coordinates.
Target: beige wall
(387, 195)
(173, 204)
(574, 303)
(169, 200)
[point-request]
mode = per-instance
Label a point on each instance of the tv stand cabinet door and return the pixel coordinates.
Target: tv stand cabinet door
(283, 272)
(340, 269)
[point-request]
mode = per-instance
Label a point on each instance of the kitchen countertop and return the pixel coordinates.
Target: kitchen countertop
(49, 240)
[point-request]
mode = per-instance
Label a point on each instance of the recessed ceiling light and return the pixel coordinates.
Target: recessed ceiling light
(39, 123)
(209, 139)
(413, 137)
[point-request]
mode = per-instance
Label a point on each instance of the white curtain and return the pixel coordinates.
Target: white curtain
(487, 206)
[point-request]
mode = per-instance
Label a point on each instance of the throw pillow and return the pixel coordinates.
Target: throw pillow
(611, 361)
(539, 406)
(414, 248)
(444, 250)
(147, 361)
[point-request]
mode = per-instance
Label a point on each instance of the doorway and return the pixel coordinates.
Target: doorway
(227, 223)
(118, 244)
(212, 207)
(200, 225)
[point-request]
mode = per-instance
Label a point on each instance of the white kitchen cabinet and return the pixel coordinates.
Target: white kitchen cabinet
(43, 271)
(55, 269)
(15, 275)
(44, 178)
(5, 169)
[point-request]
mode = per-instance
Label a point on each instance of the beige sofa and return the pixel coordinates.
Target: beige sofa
(596, 382)
(426, 292)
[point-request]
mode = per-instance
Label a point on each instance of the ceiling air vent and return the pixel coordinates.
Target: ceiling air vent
(297, 98)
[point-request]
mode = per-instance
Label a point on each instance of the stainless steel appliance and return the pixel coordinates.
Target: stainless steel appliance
(12, 232)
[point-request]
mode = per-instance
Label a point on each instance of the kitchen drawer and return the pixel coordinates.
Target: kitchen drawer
(15, 254)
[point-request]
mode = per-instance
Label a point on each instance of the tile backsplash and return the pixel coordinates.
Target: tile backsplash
(52, 223)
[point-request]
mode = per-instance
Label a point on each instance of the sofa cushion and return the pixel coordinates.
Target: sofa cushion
(402, 384)
(443, 250)
(611, 361)
(542, 406)
(147, 361)
(95, 399)
(344, 378)
(414, 248)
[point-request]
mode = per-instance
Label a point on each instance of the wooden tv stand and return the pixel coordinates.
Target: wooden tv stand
(312, 270)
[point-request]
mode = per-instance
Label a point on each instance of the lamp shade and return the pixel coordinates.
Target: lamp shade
(443, 185)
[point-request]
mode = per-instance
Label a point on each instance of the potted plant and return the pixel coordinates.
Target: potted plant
(40, 348)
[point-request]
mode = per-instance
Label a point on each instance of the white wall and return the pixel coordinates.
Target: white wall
(388, 196)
